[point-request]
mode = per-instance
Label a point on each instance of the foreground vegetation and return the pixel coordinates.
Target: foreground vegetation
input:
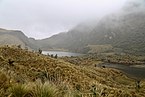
(25, 73)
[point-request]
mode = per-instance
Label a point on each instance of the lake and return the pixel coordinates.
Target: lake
(137, 72)
(61, 53)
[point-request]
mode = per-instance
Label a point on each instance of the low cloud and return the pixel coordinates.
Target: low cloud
(133, 5)
(43, 18)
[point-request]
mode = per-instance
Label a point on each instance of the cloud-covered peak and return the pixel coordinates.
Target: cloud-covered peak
(133, 5)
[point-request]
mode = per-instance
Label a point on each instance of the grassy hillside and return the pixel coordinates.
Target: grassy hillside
(31, 72)
(15, 37)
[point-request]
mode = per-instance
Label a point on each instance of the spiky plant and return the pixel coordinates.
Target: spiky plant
(19, 90)
(44, 90)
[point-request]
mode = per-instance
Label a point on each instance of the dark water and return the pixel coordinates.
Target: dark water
(61, 54)
(131, 71)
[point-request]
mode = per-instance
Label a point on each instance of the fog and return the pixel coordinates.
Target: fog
(44, 18)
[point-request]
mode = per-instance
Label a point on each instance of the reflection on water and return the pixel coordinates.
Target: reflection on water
(131, 71)
(61, 54)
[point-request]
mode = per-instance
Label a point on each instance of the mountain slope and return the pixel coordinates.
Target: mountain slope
(123, 30)
(15, 37)
(72, 40)
(9, 40)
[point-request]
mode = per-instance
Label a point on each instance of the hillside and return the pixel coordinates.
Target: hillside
(18, 66)
(123, 30)
(73, 40)
(15, 37)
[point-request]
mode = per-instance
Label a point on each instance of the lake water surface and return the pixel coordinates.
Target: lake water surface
(130, 70)
(61, 53)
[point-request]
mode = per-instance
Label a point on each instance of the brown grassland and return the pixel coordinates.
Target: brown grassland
(25, 73)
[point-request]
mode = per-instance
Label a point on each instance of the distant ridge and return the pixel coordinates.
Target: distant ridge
(15, 37)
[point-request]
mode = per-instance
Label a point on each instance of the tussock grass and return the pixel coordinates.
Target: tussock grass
(59, 78)
(39, 89)
(44, 90)
(19, 90)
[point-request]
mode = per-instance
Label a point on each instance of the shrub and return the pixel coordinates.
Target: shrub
(19, 46)
(40, 51)
(51, 55)
(55, 56)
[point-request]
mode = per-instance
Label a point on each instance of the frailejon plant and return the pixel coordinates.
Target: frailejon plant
(40, 51)
(55, 56)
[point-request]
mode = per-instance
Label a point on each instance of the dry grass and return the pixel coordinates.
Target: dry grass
(39, 89)
(65, 78)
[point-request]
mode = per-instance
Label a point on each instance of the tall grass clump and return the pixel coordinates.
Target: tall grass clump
(45, 90)
(20, 90)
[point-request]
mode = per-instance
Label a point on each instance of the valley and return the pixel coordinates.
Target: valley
(99, 57)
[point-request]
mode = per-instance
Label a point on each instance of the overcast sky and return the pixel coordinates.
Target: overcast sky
(43, 18)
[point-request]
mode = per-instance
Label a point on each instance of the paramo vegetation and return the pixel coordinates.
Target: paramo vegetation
(26, 73)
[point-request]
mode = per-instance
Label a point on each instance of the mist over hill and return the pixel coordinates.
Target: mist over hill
(112, 63)
(123, 30)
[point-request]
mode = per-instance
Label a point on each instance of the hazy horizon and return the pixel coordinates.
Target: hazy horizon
(44, 18)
